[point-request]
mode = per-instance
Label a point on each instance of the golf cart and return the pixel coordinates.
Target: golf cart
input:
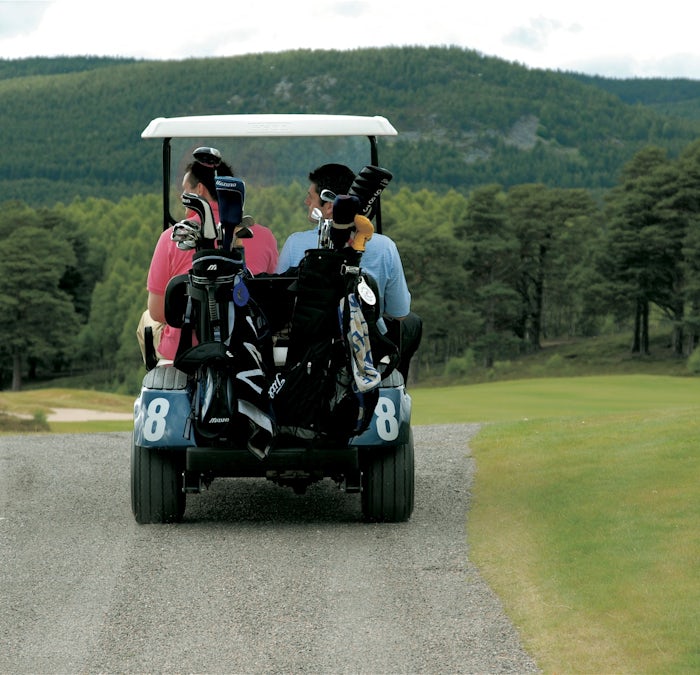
(287, 377)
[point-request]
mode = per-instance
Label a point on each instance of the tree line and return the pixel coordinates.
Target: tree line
(492, 273)
(71, 126)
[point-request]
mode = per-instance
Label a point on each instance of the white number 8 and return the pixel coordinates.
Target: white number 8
(387, 424)
(154, 428)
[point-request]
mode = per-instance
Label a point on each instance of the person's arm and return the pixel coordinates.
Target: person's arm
(397, 297)
(156, 306)
(158, 277)
(260, 250)
(271, 251)
(284, 259)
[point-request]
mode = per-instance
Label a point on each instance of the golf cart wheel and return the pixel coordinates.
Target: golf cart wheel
(388, 483)
(156, 485)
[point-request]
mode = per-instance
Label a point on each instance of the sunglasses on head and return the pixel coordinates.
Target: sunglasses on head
(209, 157)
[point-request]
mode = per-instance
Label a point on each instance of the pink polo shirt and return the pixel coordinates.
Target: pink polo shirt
(168, 260)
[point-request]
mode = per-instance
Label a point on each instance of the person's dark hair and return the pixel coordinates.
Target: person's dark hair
(207, 175)
(334, 177)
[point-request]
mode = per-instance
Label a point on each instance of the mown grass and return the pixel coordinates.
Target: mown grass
(27, 411)
(552, 397)
(587, 528)
(585, 514)
(91, 426)
(10, 423)
(29, 401)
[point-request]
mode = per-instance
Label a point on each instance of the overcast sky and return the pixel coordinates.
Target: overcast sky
(611, 38)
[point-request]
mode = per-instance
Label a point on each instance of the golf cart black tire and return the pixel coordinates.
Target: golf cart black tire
(156, 485)
(388, 483)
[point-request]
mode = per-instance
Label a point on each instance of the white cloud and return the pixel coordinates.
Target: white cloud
(598, 36)
(20, 17)
(535, 35)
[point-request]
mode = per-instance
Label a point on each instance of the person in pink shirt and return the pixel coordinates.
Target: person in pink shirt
(261, 255)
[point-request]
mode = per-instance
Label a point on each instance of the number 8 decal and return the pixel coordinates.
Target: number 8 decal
(154, 428)
(387, 424)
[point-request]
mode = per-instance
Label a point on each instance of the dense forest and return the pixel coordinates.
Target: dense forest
(568, 206)
(71, 127)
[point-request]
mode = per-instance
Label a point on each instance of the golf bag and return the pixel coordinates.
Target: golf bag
(336, 356)
(226, 346)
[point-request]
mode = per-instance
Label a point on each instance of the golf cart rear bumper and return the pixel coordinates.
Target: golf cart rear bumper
(162, 419)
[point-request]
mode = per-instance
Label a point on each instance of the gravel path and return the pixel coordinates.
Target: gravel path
(256, 580)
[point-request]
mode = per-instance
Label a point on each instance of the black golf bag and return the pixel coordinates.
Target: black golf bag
(336, 356)
(226, 346)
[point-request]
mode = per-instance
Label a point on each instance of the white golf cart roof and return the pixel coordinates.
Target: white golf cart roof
(268, 125)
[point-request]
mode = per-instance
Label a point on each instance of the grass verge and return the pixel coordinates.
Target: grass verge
(30, 400)
(90, 427)
(584, 515)
(36, 404)
(587, 530)
(552, 397)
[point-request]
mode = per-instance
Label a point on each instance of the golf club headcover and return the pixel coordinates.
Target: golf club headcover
(345, 208)
(368, 185)
(230, 192)
(363, 232)
(202, 208)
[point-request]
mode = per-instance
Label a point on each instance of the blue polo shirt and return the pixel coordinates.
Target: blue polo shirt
(381, 259)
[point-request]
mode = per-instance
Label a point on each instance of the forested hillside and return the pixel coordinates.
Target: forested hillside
(675, 97)
(527, 205)
(71, 127)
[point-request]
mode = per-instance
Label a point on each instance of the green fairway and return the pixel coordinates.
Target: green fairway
(585, 515)
(553, 397)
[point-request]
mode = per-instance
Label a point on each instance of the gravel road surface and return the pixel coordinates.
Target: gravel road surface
(256, 580)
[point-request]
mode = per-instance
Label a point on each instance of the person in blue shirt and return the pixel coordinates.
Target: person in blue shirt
(380, 259)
